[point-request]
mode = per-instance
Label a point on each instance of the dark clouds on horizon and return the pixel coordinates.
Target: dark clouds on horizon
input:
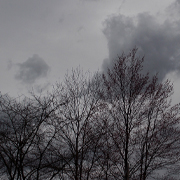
(158, 40)
(32, 69)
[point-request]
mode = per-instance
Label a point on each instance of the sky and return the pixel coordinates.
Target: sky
(40, 39)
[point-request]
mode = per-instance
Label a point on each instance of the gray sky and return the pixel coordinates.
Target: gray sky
(41, 39)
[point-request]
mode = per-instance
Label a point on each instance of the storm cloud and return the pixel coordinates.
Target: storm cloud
(156, 39)
(32, 69)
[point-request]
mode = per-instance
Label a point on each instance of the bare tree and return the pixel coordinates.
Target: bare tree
(119, 125)
(25, 136)
(145, 131)
(78, 135)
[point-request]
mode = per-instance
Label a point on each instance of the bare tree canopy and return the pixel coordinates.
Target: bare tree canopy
(144, 127)
(116, 125)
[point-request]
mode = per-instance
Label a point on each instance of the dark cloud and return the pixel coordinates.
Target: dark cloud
(158, 40)
(32, 69)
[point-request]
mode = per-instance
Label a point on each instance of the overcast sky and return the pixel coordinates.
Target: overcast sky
(41, 39)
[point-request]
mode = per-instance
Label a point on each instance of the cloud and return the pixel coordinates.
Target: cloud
(174, 10)
(80, 28)
(9, 64)
(32, 69)
(90, 0)
(39, 88)
(158, 40)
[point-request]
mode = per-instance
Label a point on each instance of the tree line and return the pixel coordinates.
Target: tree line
(110, 126)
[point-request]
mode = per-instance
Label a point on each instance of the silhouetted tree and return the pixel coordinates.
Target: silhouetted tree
(145, 131)
(119, 125)
(25, 136)
(76, 124)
